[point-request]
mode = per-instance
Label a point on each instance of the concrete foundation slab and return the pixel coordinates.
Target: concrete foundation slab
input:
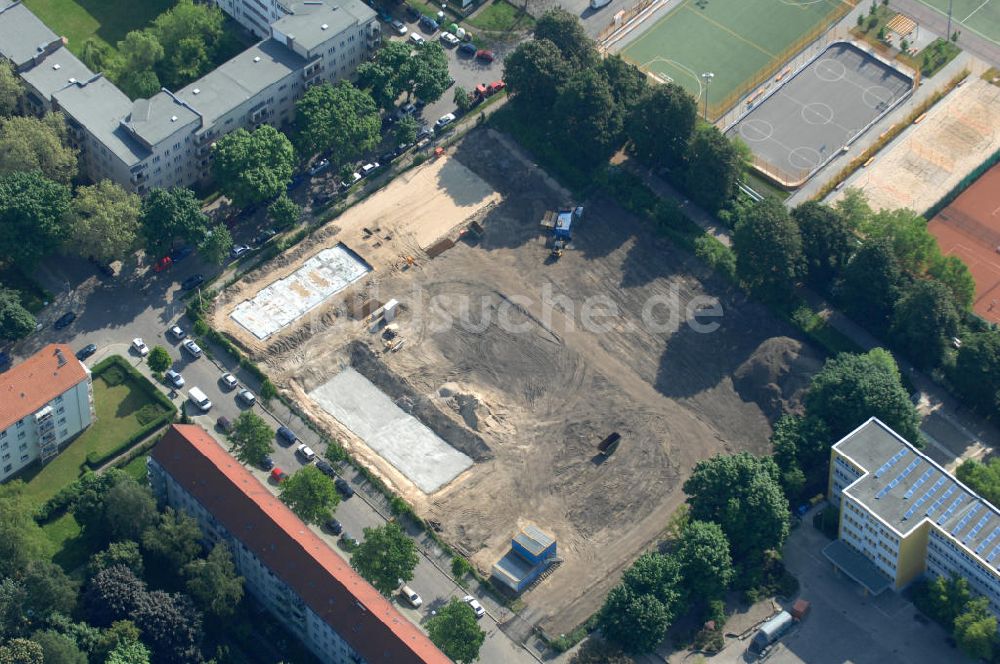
(282, 302)
(401, 439)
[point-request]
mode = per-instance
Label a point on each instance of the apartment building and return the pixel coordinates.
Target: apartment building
(44, 402)
(307, 586)
(902, 515)
(166, 140)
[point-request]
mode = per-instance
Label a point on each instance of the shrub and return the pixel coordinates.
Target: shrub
(267, 390)
(200, 328)
(148, 413)
(113, 376)
(717, 255)
(460, 567)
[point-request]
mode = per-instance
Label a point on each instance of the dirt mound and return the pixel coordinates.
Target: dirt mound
(776, 375)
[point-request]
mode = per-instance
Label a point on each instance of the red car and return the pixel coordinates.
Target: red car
(484, 55)
(163, 264)
(495, 87)
(278, 475)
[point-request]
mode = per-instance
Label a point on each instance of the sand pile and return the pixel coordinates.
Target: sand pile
(776, 376)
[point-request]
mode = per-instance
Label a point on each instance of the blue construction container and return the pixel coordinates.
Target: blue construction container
(531, 553)
(533, 545)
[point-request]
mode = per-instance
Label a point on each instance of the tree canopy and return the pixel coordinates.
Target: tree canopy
(251, 439)
(870, 285)
(566, 32)
(252, 167)
(586, 107)
(310, 494)
(706, 566)
(634, 621)
(340, 119)
(534, 73)
(28, 143)
(168, 215)
(175, 541)
(715, 165)
(456, 631)
(827, 242)
(924, 322)
(16, 322)
(216, 244)
(976, 375)
(284, 212)
(768, 250)
(213, 582)
(11, 89)
(32, 217)
(428, 72)
(660, 124)
(104, 221)
(159, 359)
(385, 556)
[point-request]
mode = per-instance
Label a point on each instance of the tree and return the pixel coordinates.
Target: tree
(428, 72)
(340, 119)
(16, 322)
(635, 622)
(170, 626)
(28, 143)
(189, 61)
(104, 221)
(628, 83)
(11, 89)
(32, 216)
(213, 582)
(599, 652)
(125, 553)
(169, 214)
(98, 56)
(982, 477)
(251, 438)
(660, 124)
(977, 370)
(189, 33)
(585, 107)
(976, 630)
(216, 244)
(112, 594)
(707, 568)
(455, 631)
(58, 648)
(129, 652)
(906, 231)
(21, 651)
(284, 212)
(387, 76)
(129, 509)
(21, 538)
(535, 72)
(715, 165)
(121, 633)
(47, 590)
(802, 451)
(141, 84)
(851, 388)
(386, 556)
(140, 50)
(565, 31)
(870, 284)
(657, 575)
(175, 541)
(310, 494)
(827, 242)
(159, 359)
(461, 100)
(955, 274)
(251, 167)
(924, 322)
(406, 131)
(741, 493)
(768, 250)
(943, 599)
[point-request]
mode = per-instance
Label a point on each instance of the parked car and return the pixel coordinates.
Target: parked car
(193, 282)
(65, 320)
(484, 55)
(139, 346)
(267, 463)
(405, 110)
(333, 526)
(238, 250)
(348, 542)
(368, 169)
(468, 48)
(477, 608)
(417, 40)
(354, 179)
(319, 167)
(180, 253)
(286, 435)
(229, 381)
(224, 424)
(177, 332)
(190, 346)
(174, 378)
(305, 452)
(264, 237)
(278, 475)
(428, 24)
(425, 132)
(162, 264)
(325, 468)
(86, 351)
(398, 26)
(411, 596)
(449, 39)
(444, 121)
(343, 487)
(246, 397)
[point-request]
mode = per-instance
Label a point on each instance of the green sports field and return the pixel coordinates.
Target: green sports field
(740, 41)
(979, 16)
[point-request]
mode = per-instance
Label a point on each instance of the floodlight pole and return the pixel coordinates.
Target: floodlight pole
(707, 77)
(948, 34)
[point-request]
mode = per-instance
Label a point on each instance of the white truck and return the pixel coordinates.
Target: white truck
(199, 399)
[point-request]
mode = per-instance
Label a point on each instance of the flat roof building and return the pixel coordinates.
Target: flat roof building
(338, 615)
(902, 515)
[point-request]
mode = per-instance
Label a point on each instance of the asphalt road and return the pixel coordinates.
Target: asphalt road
(111, 312)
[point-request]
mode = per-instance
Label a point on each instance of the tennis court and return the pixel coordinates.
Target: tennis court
(970, 229)
(742, 42)
(979, 16)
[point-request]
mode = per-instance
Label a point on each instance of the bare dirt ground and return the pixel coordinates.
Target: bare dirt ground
(509, 357)
(957, 135)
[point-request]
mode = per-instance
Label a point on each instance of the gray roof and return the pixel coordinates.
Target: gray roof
(159, 117)
(313, 22)
(22, 34)
(903, 486)
(99, 106)
(55, 72)
(857, 566)
(240, 79)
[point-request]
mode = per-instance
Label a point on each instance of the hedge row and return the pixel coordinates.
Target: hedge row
(118, 364)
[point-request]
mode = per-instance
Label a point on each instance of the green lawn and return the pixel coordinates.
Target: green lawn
(137, 469)
(502, 17)
(117, 408)
(106, 20)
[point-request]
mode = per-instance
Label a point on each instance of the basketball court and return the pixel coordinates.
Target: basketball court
(970, 229)
(804, 123)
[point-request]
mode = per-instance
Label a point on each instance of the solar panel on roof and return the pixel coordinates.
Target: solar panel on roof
(986, 542)
(919, 483)
(891, 462)
(940, 501)
(965, 519)
(951, 509)
(930, 492)
(975, 530)
(993, 553)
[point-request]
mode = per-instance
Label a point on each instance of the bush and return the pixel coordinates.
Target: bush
(717, 255)
(113, 376)
(148, 413)
(460, 568)
(267, 390)
(200, 328)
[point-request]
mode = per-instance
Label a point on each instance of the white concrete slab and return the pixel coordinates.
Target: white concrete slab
(284, 301)
(398, 437)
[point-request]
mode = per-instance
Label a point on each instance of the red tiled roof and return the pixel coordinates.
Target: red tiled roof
(36, 381)
(266, 526)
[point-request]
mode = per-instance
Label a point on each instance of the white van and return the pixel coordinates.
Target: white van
(198, 398)
(411, 596)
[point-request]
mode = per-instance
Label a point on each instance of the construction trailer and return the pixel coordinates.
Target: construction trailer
(771, 631)
(608, 446)
(532, 552)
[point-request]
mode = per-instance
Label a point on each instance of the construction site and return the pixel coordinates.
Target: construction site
(498, 386)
